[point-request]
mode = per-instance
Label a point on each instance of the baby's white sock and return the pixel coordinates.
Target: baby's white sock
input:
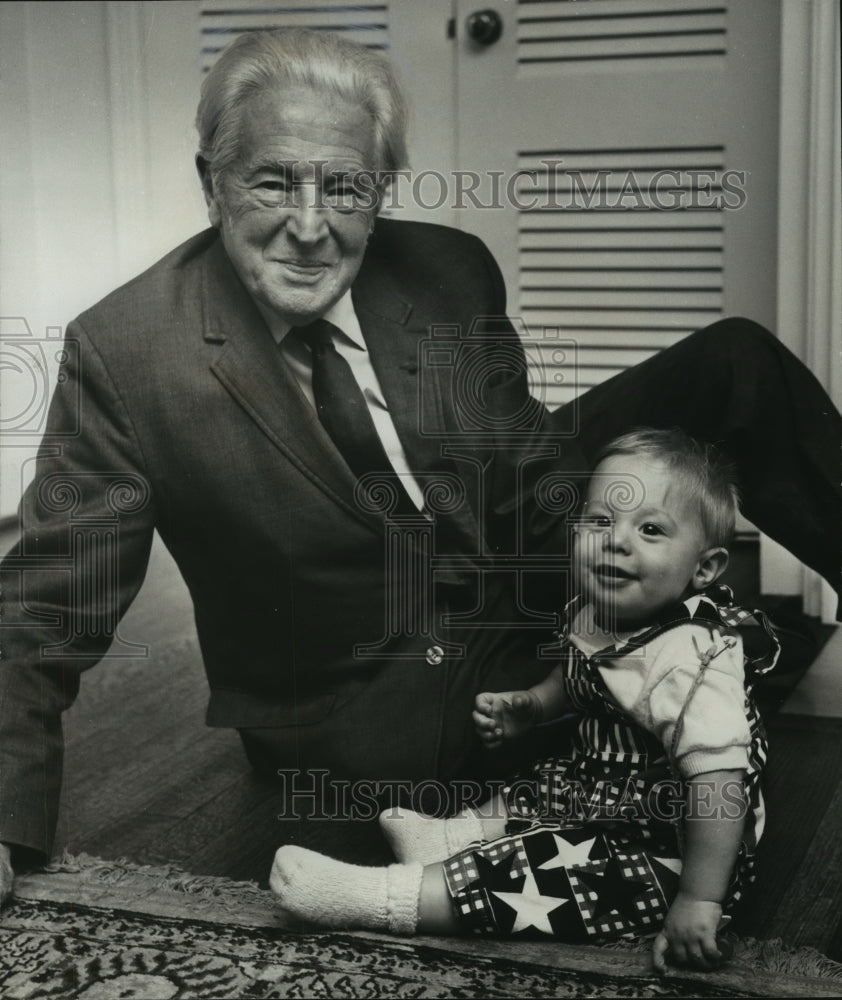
(313, 889)
(414, 837)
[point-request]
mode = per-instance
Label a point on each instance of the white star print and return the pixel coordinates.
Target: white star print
(674, 864)
(531, 907)
(568, 854)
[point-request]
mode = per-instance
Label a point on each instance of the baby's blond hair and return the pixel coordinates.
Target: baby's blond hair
(699, 467)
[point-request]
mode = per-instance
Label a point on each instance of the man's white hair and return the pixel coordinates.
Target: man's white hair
(284, 57)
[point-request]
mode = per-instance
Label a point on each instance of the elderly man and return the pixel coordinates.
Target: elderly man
(277, 398)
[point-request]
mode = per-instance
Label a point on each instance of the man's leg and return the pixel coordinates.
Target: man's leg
(736, 385)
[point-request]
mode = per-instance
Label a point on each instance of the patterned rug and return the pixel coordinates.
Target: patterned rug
(93, 930)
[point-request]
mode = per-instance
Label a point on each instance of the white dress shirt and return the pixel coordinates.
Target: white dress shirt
(350, 344)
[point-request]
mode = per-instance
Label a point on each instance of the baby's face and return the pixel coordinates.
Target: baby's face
(639, 546)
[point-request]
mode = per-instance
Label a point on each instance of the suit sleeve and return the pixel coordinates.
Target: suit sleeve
(86, 531)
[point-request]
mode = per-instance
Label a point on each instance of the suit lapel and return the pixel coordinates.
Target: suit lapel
(394, 333)
(250, 367)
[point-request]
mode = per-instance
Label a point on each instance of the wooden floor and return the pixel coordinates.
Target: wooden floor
(145, 779)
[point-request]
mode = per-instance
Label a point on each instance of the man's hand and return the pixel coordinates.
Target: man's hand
(505, 715)
(689, 935)
(7, 875)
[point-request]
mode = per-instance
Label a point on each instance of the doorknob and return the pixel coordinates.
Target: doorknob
(484, 26)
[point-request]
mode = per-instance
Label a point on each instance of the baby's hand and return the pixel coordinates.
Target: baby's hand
(504, 715)
(689, 934)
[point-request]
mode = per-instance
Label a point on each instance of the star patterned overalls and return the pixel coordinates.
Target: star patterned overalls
(594, 841)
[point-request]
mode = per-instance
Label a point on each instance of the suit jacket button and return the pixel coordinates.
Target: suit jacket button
(435, 654)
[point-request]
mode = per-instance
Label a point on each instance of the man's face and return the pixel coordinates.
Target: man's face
(639, 560)
(286, 208)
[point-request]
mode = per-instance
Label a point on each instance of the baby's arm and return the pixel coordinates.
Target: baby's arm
(713, 830)
(702, 725)
(506, 714)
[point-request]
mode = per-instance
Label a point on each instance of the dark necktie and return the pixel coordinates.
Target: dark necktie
(342, 409)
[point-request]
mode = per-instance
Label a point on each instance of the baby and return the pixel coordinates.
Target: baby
(650, 825)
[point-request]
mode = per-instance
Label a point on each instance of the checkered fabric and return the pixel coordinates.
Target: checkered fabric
(546, 882)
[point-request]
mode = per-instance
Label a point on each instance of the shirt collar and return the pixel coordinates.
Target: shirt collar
(341, 314)
(590, 637)
(581, 629)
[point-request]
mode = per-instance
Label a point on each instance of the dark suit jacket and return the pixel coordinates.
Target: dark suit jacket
(189, 423)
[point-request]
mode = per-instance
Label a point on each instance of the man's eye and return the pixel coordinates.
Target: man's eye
(344, 193)
(351, 192)
(271, 187)
(342, 196)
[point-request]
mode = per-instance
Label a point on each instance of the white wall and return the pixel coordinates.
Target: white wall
(809, 274)
(96, 174)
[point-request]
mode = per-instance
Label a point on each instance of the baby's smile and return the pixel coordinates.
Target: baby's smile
(613, 575)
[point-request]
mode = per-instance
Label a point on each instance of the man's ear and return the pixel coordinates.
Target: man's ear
(711, 565)
(209, 189)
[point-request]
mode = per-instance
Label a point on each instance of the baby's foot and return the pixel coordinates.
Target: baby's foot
(316, 891)
(414, 837)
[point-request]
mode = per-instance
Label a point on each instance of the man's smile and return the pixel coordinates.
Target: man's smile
(304, 270)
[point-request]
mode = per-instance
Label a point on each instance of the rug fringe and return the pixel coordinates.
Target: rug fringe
(768, 955)
(217, 888)
(773, 955)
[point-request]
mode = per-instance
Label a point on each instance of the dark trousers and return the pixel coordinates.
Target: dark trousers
(735, 385)
(732, 384)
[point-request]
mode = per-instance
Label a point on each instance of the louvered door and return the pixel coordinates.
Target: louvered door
(645, 132)
(222, 20)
